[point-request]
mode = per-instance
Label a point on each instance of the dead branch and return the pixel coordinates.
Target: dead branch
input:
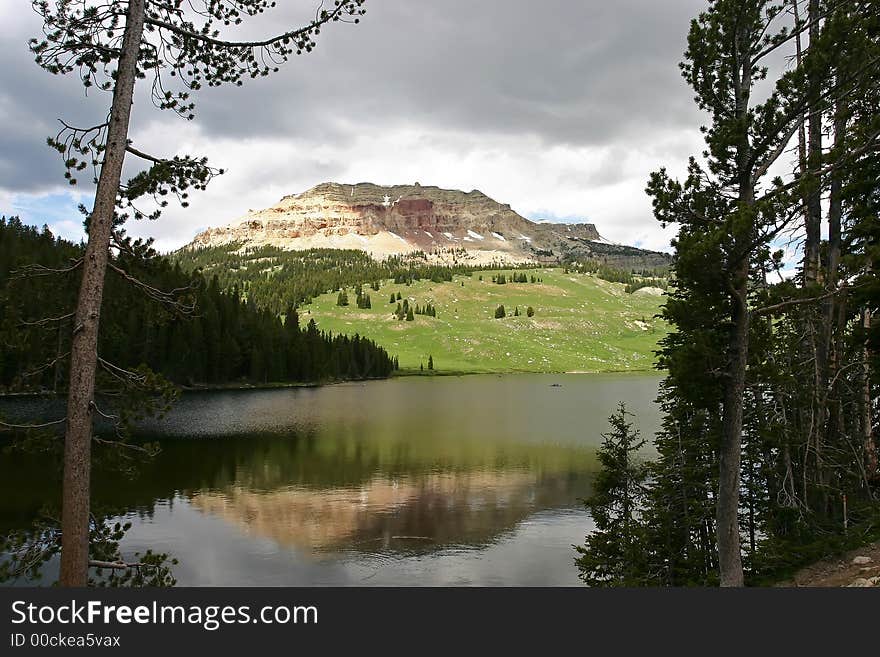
(45, 366)
(37, 270)
(125, 376)
(33, 426)
(104, 415)
(123, 444)
(167, 298)
(119, 565)
(797, 302)
(47, 320)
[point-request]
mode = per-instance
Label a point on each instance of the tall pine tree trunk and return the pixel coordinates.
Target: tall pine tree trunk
(84, 345)
(814, 160)
(730, 452)
(802, 135)
(867, 421)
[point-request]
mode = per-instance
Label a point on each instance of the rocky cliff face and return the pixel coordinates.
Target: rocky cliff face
(400, 219)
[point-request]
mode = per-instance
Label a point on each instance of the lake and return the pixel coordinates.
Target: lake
(445, 481)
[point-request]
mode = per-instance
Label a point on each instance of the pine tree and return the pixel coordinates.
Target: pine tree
(499, 312)
(430, 362)
(530, 312)
(613, 554)
(155, 39)
(738, 340)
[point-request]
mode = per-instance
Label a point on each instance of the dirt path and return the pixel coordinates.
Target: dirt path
(860, 567)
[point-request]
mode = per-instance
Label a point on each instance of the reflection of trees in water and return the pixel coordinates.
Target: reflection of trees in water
(323, 491)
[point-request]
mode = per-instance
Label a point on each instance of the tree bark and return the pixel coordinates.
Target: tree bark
(802, 135)
(814, 161)
(84, 342)
(867, 419)
(730, 451)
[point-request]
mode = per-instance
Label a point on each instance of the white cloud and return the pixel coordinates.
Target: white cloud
(534, 179)
(560, 109)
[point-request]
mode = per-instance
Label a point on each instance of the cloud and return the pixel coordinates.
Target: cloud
(556, 107)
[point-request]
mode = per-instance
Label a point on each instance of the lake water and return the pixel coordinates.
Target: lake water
(471, 480)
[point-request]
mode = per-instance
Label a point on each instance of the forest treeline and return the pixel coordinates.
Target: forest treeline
(767, 456)
(276, 279)
(180, 325)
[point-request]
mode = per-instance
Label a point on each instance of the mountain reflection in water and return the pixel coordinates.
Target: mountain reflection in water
(473, 480)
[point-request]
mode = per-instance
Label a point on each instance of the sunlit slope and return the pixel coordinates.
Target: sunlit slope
(581, 324)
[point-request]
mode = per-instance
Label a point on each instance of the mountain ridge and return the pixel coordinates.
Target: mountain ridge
(447, 224)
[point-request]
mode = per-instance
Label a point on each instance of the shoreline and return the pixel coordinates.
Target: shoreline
(320, 384)
(429, 373)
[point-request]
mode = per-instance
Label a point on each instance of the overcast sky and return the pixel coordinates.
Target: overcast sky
(561, 108)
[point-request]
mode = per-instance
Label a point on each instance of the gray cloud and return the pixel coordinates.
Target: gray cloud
(31, 102)
(572, 72)
(577, 73)
(558, 107)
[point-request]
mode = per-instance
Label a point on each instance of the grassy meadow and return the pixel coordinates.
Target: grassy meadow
(581, 324)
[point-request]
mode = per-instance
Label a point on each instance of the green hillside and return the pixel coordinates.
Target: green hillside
(581, 324)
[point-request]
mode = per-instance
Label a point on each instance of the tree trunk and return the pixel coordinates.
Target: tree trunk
(84, 344)
(730, 453)
(867, 421)
(814, 161)
(802, 135)
(835, 208)
(826, 362)
(730, 449)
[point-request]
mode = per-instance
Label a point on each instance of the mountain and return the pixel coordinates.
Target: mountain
(446, 224)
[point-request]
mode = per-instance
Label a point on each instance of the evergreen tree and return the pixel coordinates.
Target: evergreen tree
(613, 554)
(728, 459)
(226, 339)
(530, 312)
(156, 39)
(499, 312)
(430, 362)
